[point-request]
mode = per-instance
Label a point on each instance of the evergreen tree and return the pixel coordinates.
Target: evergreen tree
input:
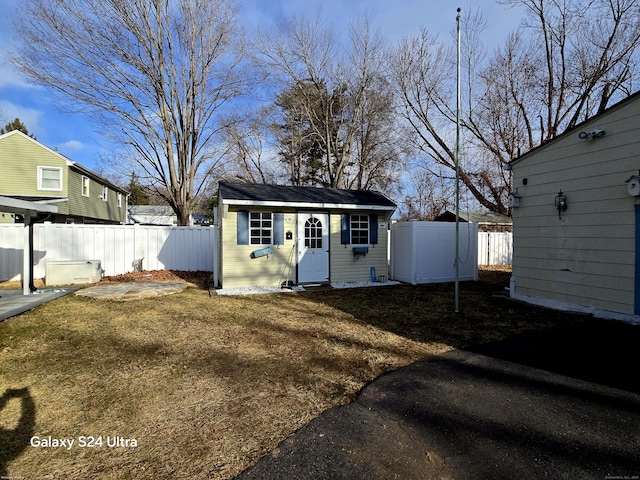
(137, 193)
(16, 124)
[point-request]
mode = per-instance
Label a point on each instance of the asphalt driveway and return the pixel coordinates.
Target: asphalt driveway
(562, 404)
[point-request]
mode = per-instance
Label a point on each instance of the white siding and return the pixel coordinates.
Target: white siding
(587, 257)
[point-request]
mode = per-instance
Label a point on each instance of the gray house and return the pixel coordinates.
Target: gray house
(576, 217)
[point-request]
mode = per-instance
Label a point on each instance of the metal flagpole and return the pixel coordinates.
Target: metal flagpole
(457, 262)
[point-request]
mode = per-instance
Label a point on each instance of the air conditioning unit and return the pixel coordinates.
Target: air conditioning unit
(73, 272)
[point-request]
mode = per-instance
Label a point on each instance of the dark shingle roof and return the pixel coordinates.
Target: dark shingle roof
(476, 217)
(302, 195)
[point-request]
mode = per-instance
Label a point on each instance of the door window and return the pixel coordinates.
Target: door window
(313, 233)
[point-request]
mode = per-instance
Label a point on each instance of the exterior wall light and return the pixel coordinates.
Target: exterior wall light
(591, 135)
(561, 203)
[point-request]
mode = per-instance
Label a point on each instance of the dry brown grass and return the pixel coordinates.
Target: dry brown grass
(206, 385)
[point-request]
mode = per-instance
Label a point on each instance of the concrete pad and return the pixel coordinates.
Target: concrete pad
(130, 290)
(14, 302)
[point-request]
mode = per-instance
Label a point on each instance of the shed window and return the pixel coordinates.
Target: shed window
(119, 196)
(260, 228)
(50, 178)
(359, 229)
(105, 193)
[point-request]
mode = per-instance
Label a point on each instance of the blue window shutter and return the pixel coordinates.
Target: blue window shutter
(373, 229)
(278, 228)
(243, 227)
(345, 229)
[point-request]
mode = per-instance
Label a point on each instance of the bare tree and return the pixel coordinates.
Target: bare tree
(423, 70)
(154, 72)
(428, 195)
(567, 62)
(246, 139)
(335, 92)
(584, 51)
(377, 148)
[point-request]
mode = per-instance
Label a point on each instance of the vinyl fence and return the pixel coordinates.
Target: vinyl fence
(118, 247)
(495, 248)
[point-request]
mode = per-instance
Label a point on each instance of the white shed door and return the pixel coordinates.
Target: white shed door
(313, 247)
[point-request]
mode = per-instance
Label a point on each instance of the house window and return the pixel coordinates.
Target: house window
(360, 229)
(50, 178)
(85, 186)
(119, 196)
(105, 193)
(260, 228)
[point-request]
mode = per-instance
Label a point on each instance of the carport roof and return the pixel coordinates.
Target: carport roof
(280, 195)
(14, 205)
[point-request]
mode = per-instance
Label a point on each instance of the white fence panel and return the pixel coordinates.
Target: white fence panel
(425, 252)
(495, 248)
(118, 247)
(12, 240)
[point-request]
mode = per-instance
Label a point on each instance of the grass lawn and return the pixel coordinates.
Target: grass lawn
(206, 385)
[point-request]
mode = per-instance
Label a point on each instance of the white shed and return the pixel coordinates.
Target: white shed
(425, 252)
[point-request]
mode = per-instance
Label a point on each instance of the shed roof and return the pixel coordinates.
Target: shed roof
(279, 195)
(163, 210)
(489, 218)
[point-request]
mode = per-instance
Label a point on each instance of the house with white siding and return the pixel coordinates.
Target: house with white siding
(273, 235)
(576, 217)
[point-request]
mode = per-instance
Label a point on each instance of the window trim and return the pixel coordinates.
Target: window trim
(105, 193)
(119, 197)
(260, 237)
(85, 180)
(314, 233)
(41, 169)
(359, 228)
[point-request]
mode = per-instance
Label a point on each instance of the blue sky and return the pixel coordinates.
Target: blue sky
(74, 135)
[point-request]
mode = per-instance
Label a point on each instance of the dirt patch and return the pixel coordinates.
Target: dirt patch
(198, 279)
